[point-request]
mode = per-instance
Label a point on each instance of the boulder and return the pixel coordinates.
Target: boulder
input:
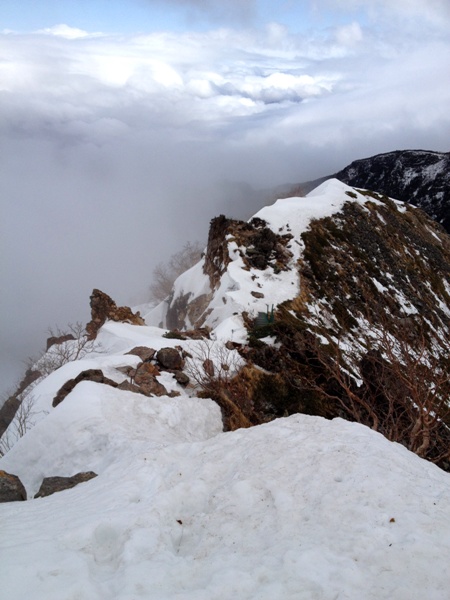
(145, 370)
(50, 485)
(89, 375)
(152, 387)
(104, 308)
(11, 488)
(170, 358)
(143, 352)
(181, 377)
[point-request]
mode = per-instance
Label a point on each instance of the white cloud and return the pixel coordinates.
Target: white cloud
(62, 30)
(116, 149)
(405, 12)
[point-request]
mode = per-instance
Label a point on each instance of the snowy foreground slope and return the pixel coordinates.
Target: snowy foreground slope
(300, 508)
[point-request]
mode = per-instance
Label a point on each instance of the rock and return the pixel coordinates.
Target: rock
(12, 404)
(89, 375)
(50, 485)
(145, 370)
(152, 387)
(51, 341)
(143, 352)
(103, 308)
(170, 358)
(129, 387)
(257, 294)
(11, 488)
(208, 367)
(181, 377)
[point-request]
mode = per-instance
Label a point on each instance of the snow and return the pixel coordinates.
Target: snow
(234, 295)
(300, 508)
(297, 509)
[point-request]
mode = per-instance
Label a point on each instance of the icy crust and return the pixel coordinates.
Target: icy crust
(300, 508)
(286, 216)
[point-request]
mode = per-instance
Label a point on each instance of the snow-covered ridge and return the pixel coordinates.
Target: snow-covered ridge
(298, 508)
(234, 294)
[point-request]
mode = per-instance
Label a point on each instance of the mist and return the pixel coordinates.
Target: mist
(116, 150)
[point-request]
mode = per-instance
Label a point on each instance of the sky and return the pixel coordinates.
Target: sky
(126, 125)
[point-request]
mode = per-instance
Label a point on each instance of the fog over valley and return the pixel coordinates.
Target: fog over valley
(119, 141)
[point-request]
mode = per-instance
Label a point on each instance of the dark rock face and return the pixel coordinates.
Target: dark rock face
(170, 358)
(103, 308)
(11, 488)
(419, 177)
(50, 485)
(216, 257)
(263, 247)
(416, 176)
(89, 375)
(10, 407)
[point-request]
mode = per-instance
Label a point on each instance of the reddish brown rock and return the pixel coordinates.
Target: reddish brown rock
(152, 387)
(143, 352)
(145, 370)
(103, 308)
(11, 488)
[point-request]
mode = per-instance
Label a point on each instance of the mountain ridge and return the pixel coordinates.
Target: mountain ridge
(419, 177)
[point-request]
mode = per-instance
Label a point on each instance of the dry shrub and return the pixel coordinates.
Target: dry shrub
(213, 368)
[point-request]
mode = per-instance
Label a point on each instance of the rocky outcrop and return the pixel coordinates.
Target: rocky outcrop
(51, 485)
(12, 404)
(103, 308)
(11, 488)
(259, 246)
(95, 375)
(51, 341)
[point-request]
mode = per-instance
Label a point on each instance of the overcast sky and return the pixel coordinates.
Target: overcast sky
(126, 125)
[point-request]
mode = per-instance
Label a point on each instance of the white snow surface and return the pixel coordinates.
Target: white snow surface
(300, 508)
(297, 509)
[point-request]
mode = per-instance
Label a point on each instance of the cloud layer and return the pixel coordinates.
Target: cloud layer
(117, 149)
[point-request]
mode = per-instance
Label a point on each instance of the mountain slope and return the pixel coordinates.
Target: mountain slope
(360, 290)
(302, 507)
(419, 177)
